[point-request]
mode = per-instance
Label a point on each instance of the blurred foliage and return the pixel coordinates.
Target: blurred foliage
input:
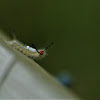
(73, 26)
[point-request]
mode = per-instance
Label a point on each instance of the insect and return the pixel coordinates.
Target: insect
(30, 52)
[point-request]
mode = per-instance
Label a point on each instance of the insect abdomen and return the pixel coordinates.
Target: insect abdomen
(26, 50)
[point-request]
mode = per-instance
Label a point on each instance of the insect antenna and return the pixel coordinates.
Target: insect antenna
(48, 46)
(35, 47)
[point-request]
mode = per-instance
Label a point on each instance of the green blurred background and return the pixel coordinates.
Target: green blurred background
(73, 26)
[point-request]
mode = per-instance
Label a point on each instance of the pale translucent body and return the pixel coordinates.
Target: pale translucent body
(27, 50)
